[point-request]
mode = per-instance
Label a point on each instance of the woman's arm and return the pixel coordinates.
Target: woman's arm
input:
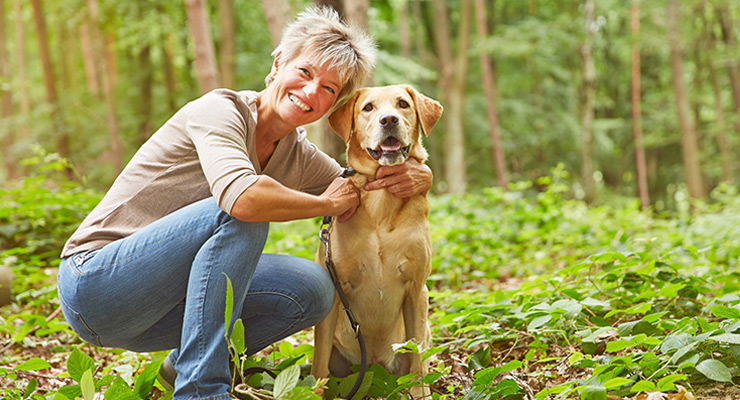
(268, 200)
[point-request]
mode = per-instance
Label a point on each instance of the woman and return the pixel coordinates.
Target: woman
(146, 270)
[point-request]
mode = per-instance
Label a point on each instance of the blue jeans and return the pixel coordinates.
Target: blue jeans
(164, 287)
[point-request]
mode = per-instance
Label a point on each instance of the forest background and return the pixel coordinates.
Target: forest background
(619, 92)
(584, 214)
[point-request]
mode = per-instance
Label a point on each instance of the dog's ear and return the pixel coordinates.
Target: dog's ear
(428, 110)
(342, 119)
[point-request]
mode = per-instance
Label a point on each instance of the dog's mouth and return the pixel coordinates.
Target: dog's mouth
(389, 147)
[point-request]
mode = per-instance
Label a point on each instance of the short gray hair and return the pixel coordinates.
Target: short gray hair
(320, 32)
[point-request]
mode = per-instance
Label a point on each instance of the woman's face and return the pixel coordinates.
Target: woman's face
(302, 91)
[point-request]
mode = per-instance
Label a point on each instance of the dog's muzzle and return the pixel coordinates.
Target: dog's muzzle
(390, 148)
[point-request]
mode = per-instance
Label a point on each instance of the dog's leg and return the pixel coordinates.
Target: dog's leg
(324, 341)
(415, 308)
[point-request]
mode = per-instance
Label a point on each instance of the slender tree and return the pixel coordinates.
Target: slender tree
(205, 54)
(6, 102)
(453, 71)
(589, 75)
(709, 42)
(49, 79)
(689, 141)
(489, 85)
(227, 48)
(107, 75)
(277, 14)
(88, 58)
(733, 64)
(20, 37)
(636, 106)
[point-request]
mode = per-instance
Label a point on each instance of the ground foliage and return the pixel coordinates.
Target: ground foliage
(533, 296)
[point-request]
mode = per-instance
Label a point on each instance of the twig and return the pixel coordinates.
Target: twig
(36, 375)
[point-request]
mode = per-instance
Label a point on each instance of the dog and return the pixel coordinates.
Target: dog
(382, 255)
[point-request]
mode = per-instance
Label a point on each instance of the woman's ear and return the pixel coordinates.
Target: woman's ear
(342, 119)
(275, 64)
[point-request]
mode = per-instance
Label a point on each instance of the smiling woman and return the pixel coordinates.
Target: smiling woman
(146, 270)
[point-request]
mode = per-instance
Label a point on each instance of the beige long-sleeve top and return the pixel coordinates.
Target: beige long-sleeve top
(206, 149)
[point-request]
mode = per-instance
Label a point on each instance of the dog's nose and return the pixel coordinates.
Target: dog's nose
(388, 120)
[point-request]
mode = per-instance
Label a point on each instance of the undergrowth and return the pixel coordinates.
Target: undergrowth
(534, 295)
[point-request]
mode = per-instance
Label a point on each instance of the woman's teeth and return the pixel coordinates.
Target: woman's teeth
(303, 106)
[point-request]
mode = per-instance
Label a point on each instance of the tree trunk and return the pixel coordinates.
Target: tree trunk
(404, 33)
(489, 84)
(6, 104)
(169, 70)
(689, 142)
(709, 43)
(636, 107)
(205, 55)
(50, 80)
(733, 66)
(107, 75)
(453, 70)
(227, 49)
(277, 14)
(88, 57)
(145, 87)
(20, 36)
(589, 73)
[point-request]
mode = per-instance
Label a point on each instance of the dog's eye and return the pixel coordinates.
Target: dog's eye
(403, 104)
(368, 107)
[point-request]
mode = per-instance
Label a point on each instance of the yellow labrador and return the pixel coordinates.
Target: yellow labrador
(382, 254)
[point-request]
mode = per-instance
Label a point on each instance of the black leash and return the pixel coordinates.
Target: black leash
(325, 239)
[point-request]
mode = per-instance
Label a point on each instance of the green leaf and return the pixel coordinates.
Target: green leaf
(667, 383)
(87, 385)
(725, 312)
(286, 381)
(732, 338)
(302, 393)
(616, 383)
(119, 390)
(538, 322)
(643, 386)
(349, 382)
(593, 393)
(78, 363)
(34, 364)
(237, 337)
(229, 303)
(145, 381)
(715, 370)
(486, 376)
(617, 345)
(480, 359)
(30, 387)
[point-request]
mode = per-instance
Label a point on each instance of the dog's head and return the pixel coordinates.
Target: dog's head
(381, 125)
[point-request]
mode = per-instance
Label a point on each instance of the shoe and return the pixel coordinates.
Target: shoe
(167, 374)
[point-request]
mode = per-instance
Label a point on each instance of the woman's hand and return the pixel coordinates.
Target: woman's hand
(344, 197)
(403, 180)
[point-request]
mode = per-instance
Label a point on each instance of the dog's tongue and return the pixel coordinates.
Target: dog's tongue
(390, 144)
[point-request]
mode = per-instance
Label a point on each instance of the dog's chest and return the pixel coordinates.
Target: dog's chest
(382, 251)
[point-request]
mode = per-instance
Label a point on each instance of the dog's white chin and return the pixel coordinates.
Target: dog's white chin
(394, 158)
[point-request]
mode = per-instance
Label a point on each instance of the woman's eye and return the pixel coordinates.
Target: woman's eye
(368, 107)
(329, 89)
(305, 71)
(403, 104)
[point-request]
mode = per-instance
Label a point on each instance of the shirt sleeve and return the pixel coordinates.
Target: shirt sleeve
(219, 132)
